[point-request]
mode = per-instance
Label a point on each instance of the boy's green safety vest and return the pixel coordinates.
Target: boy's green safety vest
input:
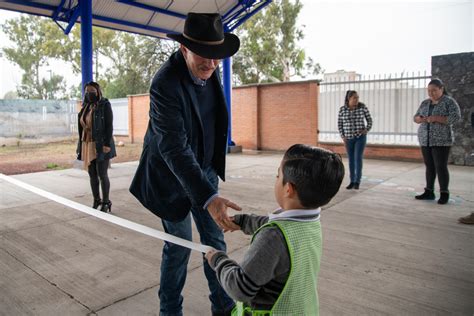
(299, 295)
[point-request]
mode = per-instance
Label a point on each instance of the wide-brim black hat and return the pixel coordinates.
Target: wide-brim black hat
(204, 35)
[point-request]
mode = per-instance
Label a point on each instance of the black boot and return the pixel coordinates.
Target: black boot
(106, 207)
(444, 198)
(427, 195)
(96, 203)
(350, 186)
(356, 186)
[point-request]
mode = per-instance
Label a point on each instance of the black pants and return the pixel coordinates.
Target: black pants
(98, 171)
(436, 162)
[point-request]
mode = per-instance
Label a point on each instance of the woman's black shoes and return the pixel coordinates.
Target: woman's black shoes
(106, 207)
(444, 198)
(427, 195)
(353, 185)
(96, 203)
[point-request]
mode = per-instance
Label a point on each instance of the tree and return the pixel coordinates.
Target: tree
(52, 88)
(124, 63)
(103, 42)
(269, 51)
(36, 40)
(129, 60)
(10, 95)
(135, 63)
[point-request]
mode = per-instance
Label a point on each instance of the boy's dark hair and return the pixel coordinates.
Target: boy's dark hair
(316, 174)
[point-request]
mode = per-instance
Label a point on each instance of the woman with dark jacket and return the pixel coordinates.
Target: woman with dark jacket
(436, 116)
(354, 122)
(96, 144)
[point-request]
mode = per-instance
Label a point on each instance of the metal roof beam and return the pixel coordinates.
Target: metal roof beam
(249, 9)
(130, 24)
(63, 18)
(152, 8)
(72, 20)
(241, 3)
(64, 12)
(58, 9)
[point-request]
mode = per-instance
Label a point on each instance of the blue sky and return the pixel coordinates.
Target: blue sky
(369, 37)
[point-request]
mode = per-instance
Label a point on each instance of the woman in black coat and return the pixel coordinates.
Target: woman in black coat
(96, 144)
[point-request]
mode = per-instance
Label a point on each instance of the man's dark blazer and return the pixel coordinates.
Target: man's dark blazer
(169, 179)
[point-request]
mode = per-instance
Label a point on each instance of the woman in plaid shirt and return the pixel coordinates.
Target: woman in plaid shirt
(354, 122)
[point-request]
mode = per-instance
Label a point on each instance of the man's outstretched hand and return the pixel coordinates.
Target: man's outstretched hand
(218, 210)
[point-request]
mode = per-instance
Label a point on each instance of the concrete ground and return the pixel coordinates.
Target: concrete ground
(384, 252)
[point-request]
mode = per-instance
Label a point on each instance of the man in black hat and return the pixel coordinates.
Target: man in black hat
(184, 152)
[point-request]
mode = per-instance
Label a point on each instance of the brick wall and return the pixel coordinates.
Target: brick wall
(272, 117)
(245, 102)
(138, 108)
(275, 116)
(389, 152)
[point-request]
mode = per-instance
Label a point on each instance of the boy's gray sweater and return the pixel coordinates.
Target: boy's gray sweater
(262, 274)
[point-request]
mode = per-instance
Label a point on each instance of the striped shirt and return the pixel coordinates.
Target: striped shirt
(261, 276)
(351, 123)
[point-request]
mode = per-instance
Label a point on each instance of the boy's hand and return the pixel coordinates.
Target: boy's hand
(231, 226)
(210, 254)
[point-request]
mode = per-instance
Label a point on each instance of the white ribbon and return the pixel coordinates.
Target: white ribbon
(109, 218)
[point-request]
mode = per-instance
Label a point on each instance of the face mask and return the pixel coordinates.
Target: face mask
(91, 97)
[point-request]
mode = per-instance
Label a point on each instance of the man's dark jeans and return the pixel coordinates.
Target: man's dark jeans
(175, 260)
(436, 162)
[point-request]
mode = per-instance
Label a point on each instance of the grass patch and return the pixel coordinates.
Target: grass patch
(53, 166)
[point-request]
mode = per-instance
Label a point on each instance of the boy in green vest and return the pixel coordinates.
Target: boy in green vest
(278, 275)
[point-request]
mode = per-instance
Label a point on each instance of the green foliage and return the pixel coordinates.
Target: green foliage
(124, 63)
(134, 64)
(269, 51)
(103, 41)
(53, 166)
(36, 40)
(132, 60)
(10, 95)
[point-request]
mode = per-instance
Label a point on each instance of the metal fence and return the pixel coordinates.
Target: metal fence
(391, 99)
(120, 110)
(51, 118)
(36, 118)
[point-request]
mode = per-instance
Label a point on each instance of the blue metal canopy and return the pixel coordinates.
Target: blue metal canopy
(147, 17)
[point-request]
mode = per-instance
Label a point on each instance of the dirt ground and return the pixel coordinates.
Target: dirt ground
(26, 158)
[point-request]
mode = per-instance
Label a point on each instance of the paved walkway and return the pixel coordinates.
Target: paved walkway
(384, 252)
